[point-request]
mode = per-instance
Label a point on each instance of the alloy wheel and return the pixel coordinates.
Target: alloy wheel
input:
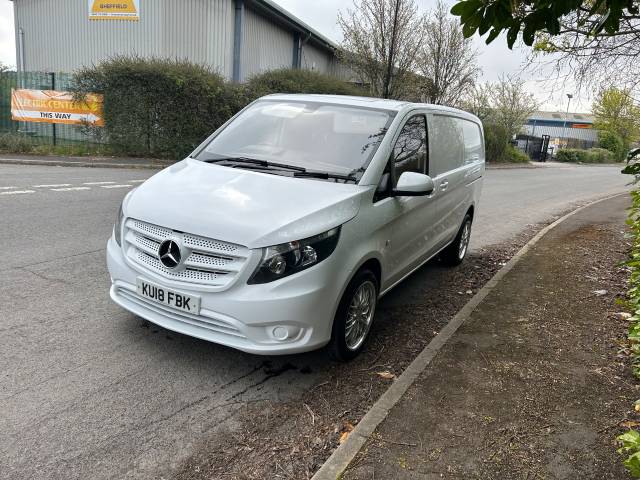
(360, 315)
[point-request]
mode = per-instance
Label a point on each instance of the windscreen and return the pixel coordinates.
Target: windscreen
(316, 136)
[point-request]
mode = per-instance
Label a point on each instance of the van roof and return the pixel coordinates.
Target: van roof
(370, 102)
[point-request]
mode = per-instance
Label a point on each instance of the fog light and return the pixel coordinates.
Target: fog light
(280, 333)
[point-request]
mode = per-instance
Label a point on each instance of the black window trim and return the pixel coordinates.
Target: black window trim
(391, 161)
(390, 165)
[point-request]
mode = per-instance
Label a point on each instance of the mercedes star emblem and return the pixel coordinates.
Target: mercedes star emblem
(169, 253)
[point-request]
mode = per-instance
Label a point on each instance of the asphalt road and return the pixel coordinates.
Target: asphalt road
(87, 390)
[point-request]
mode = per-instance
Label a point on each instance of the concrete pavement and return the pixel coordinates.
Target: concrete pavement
(532, 384)
(87, 390)
(87, 161)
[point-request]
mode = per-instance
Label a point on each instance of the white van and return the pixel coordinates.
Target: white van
(283, 229)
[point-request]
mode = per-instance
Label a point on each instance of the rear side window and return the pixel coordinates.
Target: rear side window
(410, 151)
(447, 144)
(472, 141)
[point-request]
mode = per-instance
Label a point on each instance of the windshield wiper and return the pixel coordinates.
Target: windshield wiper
(326, 176)
(255, 161)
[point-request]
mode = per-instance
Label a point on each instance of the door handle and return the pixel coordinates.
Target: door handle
(444, 185)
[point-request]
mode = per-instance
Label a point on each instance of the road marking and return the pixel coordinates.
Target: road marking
(53, 186)
(16, 192)
(98, 183)
(70, 189)
(7, 188)
(115, 186)
(138, 181)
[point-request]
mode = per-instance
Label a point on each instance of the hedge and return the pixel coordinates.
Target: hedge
(497, 145)
(612, 142)
(629, 442)
(165, 108)
(593, 155)
(298, 81)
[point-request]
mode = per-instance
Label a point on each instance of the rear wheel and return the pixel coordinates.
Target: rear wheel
(354, 317)
(454, 254)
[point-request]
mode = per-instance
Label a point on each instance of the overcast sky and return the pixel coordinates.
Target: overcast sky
(495, 59)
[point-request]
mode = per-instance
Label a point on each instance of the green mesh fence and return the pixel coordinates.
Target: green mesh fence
(38, 133)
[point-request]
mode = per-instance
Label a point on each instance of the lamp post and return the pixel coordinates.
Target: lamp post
(566, 116)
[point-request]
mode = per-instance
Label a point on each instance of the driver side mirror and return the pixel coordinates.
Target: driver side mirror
(413, 184)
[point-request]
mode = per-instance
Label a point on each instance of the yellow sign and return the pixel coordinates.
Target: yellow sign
(114, 10)
(49, 106)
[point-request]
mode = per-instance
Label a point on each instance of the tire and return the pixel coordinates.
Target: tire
(346, 343)
(454, 254)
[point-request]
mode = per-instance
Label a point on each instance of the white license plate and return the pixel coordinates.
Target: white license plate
(170, 298)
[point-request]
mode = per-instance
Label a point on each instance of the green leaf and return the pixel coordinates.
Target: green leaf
(512, 35)
(493, 35)
(466, 7)
(629, 440)
(484, 26)
(468, 30)
(633, 464)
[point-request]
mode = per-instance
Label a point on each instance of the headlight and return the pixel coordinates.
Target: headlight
(117, 228)
(286, 259)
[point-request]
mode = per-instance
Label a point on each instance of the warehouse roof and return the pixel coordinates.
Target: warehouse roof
(560, 117)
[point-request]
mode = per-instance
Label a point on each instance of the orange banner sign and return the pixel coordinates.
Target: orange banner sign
(49, 106)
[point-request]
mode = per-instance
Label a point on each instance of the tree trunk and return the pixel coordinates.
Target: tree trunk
(386, 90)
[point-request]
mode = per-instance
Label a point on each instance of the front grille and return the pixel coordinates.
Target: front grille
(206, 261)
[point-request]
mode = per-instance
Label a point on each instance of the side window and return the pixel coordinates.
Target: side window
(410, 151)
(447, 144)
(472, 142)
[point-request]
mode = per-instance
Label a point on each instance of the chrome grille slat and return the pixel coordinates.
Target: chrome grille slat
(208, 261)
(197, 260)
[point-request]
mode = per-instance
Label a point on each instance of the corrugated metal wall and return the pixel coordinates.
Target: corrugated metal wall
(265, 46)
(200, 31)
(58, 35)
(315, 59)
(586, 134)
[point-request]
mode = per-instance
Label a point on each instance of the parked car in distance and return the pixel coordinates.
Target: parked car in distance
(283, 229)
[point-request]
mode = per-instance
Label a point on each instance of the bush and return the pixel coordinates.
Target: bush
(575, 155)
(15, 143)
(613, 143)
(496, 139)
(298, 81)
(601, 155)
(629, 442)
(160, 108)
(567, 155)
(498, 148)
(514, 155)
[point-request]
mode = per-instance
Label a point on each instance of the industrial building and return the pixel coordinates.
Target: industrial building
(237, 38)
(551, 131)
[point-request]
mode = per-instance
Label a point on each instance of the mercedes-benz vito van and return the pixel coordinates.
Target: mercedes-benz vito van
(283, 229)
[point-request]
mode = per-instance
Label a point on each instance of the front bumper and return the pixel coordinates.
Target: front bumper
(291, 315)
